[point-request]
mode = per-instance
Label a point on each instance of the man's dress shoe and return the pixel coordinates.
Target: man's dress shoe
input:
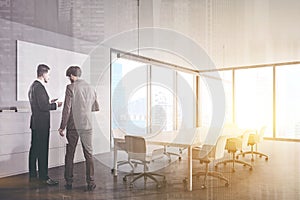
(50, 182)
(68, 186)
(91, 187)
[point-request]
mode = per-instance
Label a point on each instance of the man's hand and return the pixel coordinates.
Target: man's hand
(59, 104)
(61, 132)
(53, 100)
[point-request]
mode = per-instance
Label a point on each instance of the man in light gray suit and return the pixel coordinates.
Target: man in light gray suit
(80, 102)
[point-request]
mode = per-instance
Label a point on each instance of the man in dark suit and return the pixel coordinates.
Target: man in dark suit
(40, 126)
(80, 102)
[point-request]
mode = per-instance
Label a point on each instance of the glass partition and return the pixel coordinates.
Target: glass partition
(149, 97)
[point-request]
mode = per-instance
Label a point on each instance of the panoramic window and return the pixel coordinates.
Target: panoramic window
(287, 102)
(254, 98)
(146, 97)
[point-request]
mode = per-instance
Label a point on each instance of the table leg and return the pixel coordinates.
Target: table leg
(190, 168)
(115, 169)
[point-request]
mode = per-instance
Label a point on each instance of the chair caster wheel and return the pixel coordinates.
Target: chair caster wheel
(237, 157)
(226, 184)
(179, 158)
(158, 186)
(131, 185)
(124, 179)
(233, 170)
(112, 171)
(250, 168)
(184, 181)
(252, 159)
(266, 158)
(203, 186)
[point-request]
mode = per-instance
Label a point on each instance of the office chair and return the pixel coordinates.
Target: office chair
(137, 152)
(158, 129)
(232, 146)
(207, 154)
(119, 145)
(254, 139)
(199, 135)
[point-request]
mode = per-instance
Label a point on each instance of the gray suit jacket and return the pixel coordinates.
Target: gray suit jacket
(80, 102)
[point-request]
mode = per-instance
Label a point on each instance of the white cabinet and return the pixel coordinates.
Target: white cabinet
(15, 138)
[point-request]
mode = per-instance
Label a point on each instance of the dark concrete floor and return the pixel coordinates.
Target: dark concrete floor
(277, 178)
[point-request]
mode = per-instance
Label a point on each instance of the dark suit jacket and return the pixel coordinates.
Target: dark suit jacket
(40, 107)
(80, 102)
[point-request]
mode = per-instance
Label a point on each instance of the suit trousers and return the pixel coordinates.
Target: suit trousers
(39, 151)
(86, 141)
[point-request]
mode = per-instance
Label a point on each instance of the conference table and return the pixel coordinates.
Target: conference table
(185, 139)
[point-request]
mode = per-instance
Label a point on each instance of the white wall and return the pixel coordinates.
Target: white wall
(232, 32)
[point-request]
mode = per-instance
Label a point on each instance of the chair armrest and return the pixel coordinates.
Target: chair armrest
(155, 152)
(120, 145)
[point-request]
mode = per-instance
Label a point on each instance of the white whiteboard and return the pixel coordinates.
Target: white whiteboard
(30, 55)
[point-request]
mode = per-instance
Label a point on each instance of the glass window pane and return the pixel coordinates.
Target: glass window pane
(162, 98)
(205, 97)
(129, 96)
(254, 97)
(226, 77)
(205, 104)
(186, 101)
(287, 102)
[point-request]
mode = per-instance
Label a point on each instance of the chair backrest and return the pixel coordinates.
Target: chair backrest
(200, 134)
(135, 147)
(156, 129)
(118, 138)
(118, 133)
(245, 139)
(230, 129)
(220, 147)
(262, 133)
(229, 125)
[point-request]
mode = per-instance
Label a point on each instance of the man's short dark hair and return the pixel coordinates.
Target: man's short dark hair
(42, 69)
(73, 70)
